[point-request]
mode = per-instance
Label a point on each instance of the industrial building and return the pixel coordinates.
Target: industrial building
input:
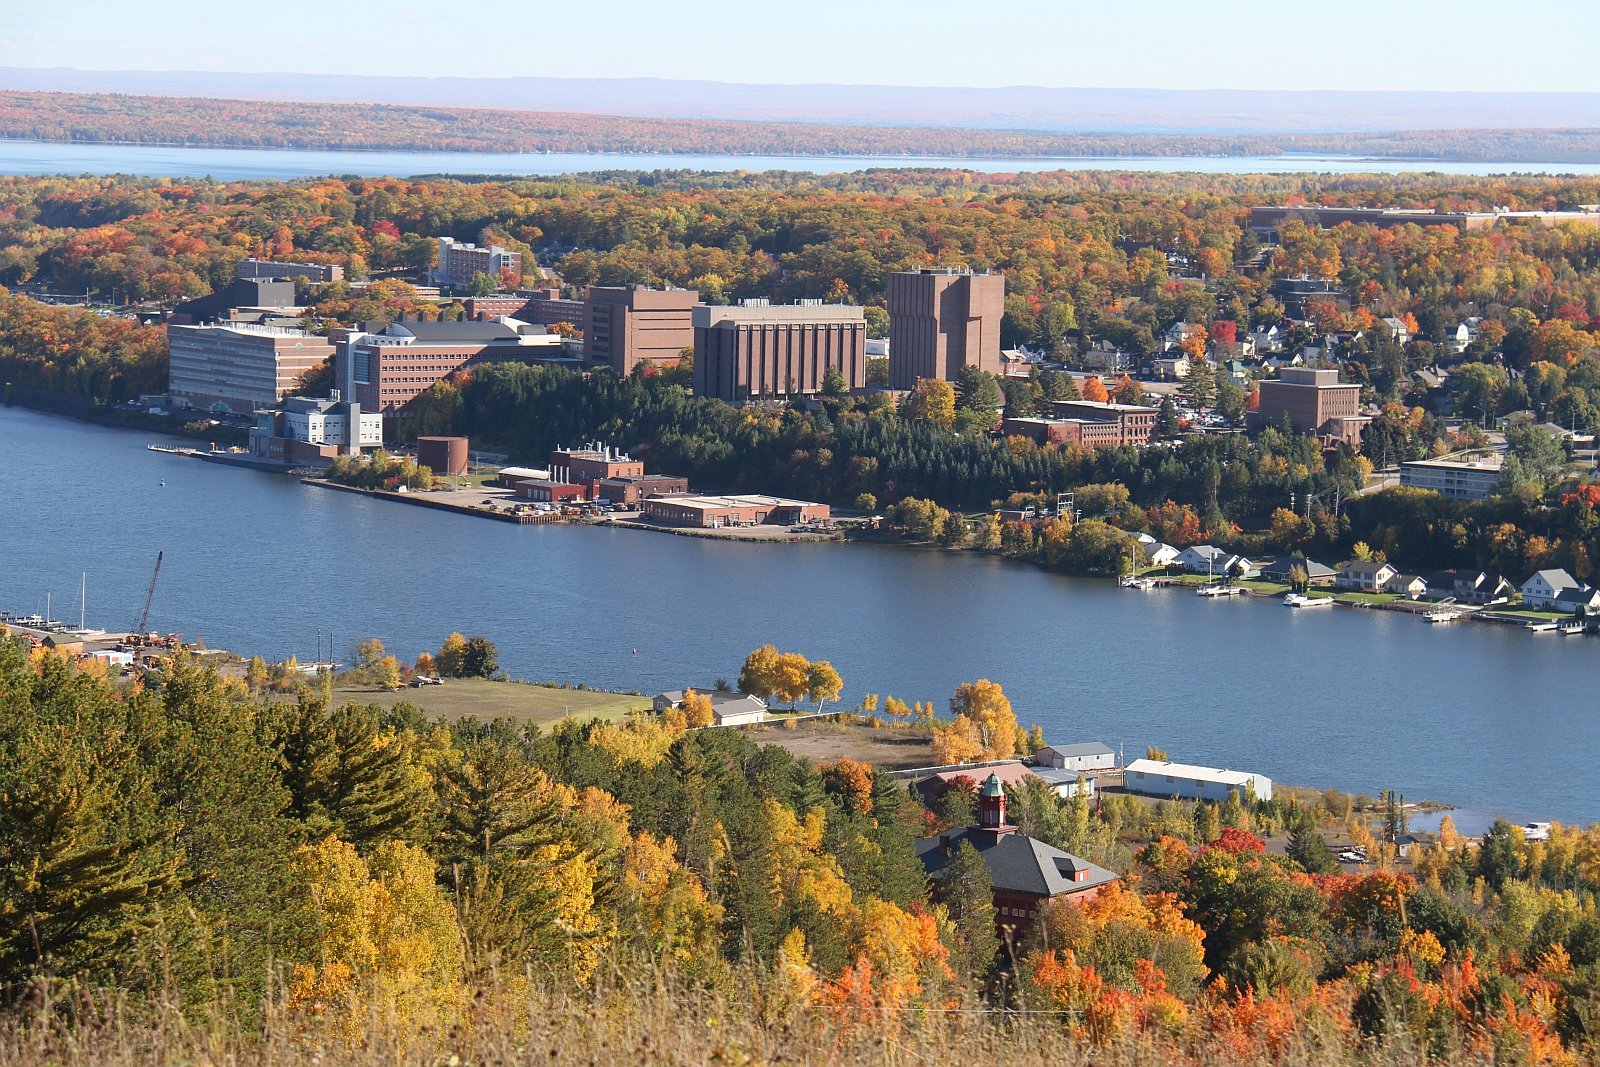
(445, 456)
(239, 367)
(940, 320)
(1157, 778)
(759, 349)
(1090, 756)
(716, 512)
(633, 324)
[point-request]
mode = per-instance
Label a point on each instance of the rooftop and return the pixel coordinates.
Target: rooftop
(1189, 770)
(1017, 863)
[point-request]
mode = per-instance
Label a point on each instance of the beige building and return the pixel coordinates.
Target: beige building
(239, 367)
(760, 349)
(940, 320)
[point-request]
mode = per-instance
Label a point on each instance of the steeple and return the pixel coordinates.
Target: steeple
(992, 807)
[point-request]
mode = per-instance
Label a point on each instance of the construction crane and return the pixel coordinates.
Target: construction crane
(150, 595)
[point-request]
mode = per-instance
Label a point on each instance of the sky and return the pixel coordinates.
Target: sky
(1489, 45)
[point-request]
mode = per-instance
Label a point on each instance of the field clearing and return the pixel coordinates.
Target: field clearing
(890, 749)
(459, 698)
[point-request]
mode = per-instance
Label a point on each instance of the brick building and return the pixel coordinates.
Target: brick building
(1134, 422)
(237, 366)
(1027, 873)
(458, 263)
(1314, 401)
(628, 325)
(541, 307)
(940, 320)
(760, 349)
(1089, 433)
(385, 369)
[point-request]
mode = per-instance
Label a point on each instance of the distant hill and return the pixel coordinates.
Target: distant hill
(1019, 107)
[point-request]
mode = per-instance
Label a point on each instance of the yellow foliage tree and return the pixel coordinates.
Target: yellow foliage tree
(985, 703)
(641, 741)
(385, 938)
(958, 742)
(933, 401)
(803, 868)
(697, 710)
(669, 906)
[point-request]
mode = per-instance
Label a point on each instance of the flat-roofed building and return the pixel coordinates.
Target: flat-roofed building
(239, 367)
(459, 263)
(1314, 401)
(624, 326)
(593, 463)
(317, 273)
(714, 512)
(942, 319)
(1455, 479)
(385, 369)
(312, 430)
(1134, 422)
(243, 295)
(762, 349)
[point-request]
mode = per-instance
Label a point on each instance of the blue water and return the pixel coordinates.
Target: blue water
(1481, 715)
(238, 164)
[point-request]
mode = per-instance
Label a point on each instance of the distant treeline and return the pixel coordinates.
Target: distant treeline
(119, 119)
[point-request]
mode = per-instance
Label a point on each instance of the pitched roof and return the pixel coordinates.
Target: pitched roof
(1087, 748)
(1362, 566)
(1554, 577)
(1190, 770)
(1017, 863)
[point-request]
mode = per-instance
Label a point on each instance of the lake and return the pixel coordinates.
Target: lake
(240, 164)
(1481, 715)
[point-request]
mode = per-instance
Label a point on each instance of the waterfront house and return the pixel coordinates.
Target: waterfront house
(1410, 586)
(1160, 555)
(1316, 573)
(727, 709)
(1469, 587)
(1585, 598)
(1539, 591)
(1158, 778)
(1217, 562)
(1026, 873)
(1365, 576)
(1089, 756)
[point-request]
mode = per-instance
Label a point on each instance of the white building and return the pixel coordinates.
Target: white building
(320, 421)
(1217, 562)
(1154, 778)
(1065, 784)
(1452, 478)
(1541, 590)
(1090, 756)
(727, 709)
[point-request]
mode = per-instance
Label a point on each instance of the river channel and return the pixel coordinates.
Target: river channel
(1485, 716)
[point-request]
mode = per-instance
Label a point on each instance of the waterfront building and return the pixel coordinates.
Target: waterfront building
(1316, 573)
(1454, 479)
(1090, 756)
(238, 367)
(594, 462)
(1026, 872)
(459, 263)
(1158, 778)
(312, 430)
(1314, 401)
(1469, 587)
(759, 349)
(1217, 562)
(715, 512)
(385, 369)
(316, 273)
(727, 709)
(940, 320)
(625, 326)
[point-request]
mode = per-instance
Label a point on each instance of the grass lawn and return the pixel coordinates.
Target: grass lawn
(1534, 614)
(1264, 587)
(1367, 598)
(459, 698)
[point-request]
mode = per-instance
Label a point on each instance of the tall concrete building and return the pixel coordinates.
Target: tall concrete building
(760, 349)
(624, 326)
(238, 367)
(940, 320)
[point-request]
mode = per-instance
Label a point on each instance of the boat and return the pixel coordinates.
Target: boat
(1445, 615)
(1219, 590)
(1297, 600)
(1141, 584)
(1539, 627)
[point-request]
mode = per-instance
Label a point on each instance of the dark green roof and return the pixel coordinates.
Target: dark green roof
(992, 787)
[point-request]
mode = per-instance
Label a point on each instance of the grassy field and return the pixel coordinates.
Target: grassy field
(459, 698)
(891, 749)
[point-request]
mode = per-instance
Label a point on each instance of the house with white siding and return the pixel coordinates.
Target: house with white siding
(1540, 591)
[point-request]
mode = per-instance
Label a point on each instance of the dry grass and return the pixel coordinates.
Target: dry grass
(644, 1023)
(891, 748)
(486, 701)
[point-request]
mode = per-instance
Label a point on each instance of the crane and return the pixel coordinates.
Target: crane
(150, 595)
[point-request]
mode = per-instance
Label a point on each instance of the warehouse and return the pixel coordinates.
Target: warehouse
(1155, 778)
(714, 512)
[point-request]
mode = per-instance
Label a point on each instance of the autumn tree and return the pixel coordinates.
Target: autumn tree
(697, 709)
(933, 401)
(822, 682)
(1094, 390)
(985, 704)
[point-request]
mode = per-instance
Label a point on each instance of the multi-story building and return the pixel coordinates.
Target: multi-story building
(384, 370)
(1456, 479)
(252, 295)
(940, 320)
(1314, 401)
(761, 349)
(594, 463)
(1134, 422)
(314, 430)
(238, 367)
(459, 263)
(624, 326)
(319, 273)
(1268, 219)
(1090, 433)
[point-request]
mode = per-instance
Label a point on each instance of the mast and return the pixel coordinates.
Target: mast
(83, 596)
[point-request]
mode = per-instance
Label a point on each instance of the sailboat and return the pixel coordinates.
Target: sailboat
(82, 630)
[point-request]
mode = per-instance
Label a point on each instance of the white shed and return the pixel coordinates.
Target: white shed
(1090, 756)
